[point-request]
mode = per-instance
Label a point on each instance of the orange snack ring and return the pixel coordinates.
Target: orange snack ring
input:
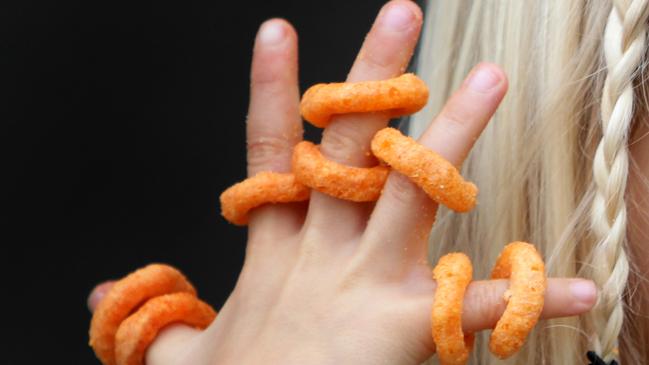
(523, 265)
(139, 330)
(453, 274)
(125, 296)
(398, 96)
(263, 188)
(440, 179)
(344, 182)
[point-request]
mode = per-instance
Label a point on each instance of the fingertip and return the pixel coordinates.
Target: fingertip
(569, 297)
(97, 294)
(487, 77)
(493, 67)
(288, 26)
(584, 293)
(400, 15)
(274, 32)
(275, 53)
(271, 33)
(415, 8)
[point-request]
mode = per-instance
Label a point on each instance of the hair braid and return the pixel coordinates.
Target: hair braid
(624, 48)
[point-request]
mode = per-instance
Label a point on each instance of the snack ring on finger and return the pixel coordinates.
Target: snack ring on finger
(522, 264)
(139, 330)
(126, 295)
(344, 182)
(263, 188)
(398, 96)
(430, 171)
(453, 274)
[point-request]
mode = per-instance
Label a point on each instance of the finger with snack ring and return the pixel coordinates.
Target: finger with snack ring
(263, 188)
(523, 266)
(430, 171)
(140, 329)
(452, 274)
(124, 297)
(344, 182)
(397, 96)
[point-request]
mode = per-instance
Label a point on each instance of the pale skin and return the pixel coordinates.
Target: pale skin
(341, 282)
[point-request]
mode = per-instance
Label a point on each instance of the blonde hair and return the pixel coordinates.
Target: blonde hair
(552, 166)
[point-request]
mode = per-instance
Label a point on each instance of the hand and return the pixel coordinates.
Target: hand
(341, 282)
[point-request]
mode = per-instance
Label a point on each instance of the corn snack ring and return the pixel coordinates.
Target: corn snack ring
(453, 274)
(430, 171)
(398, 96)
(344, 182)
(124, 297)
(522, 264)
(263, 188)
(139, 330)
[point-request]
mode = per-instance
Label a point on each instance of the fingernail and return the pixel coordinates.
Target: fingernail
(97, 294)
(272, 33)
(483, 79)
(584, 291)
(93, 300)
(398, 17)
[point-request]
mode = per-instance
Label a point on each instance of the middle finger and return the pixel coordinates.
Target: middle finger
(384, 54)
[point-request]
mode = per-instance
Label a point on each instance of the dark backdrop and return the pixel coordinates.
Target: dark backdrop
(121, 125)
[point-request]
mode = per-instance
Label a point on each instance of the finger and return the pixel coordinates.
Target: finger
(170, 342)
(484, 304)
(385, 53)
(274, 125)
(174, 344)
(98, 293)
(404, 214)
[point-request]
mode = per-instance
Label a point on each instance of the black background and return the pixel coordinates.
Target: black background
(121, 125)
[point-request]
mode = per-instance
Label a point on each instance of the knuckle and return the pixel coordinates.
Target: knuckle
(375, 61)
(341, 143)
(454, 121)
(269, 86)
(488, 303)
(266, 77)
(270, 70)
(400, 190)
(264, 150)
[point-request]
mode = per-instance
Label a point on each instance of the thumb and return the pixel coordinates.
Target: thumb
(171, 345)
(98, 293)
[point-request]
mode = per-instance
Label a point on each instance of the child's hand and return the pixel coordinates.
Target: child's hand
(339, 282)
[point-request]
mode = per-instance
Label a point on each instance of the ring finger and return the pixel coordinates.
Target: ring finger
(404, 215)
